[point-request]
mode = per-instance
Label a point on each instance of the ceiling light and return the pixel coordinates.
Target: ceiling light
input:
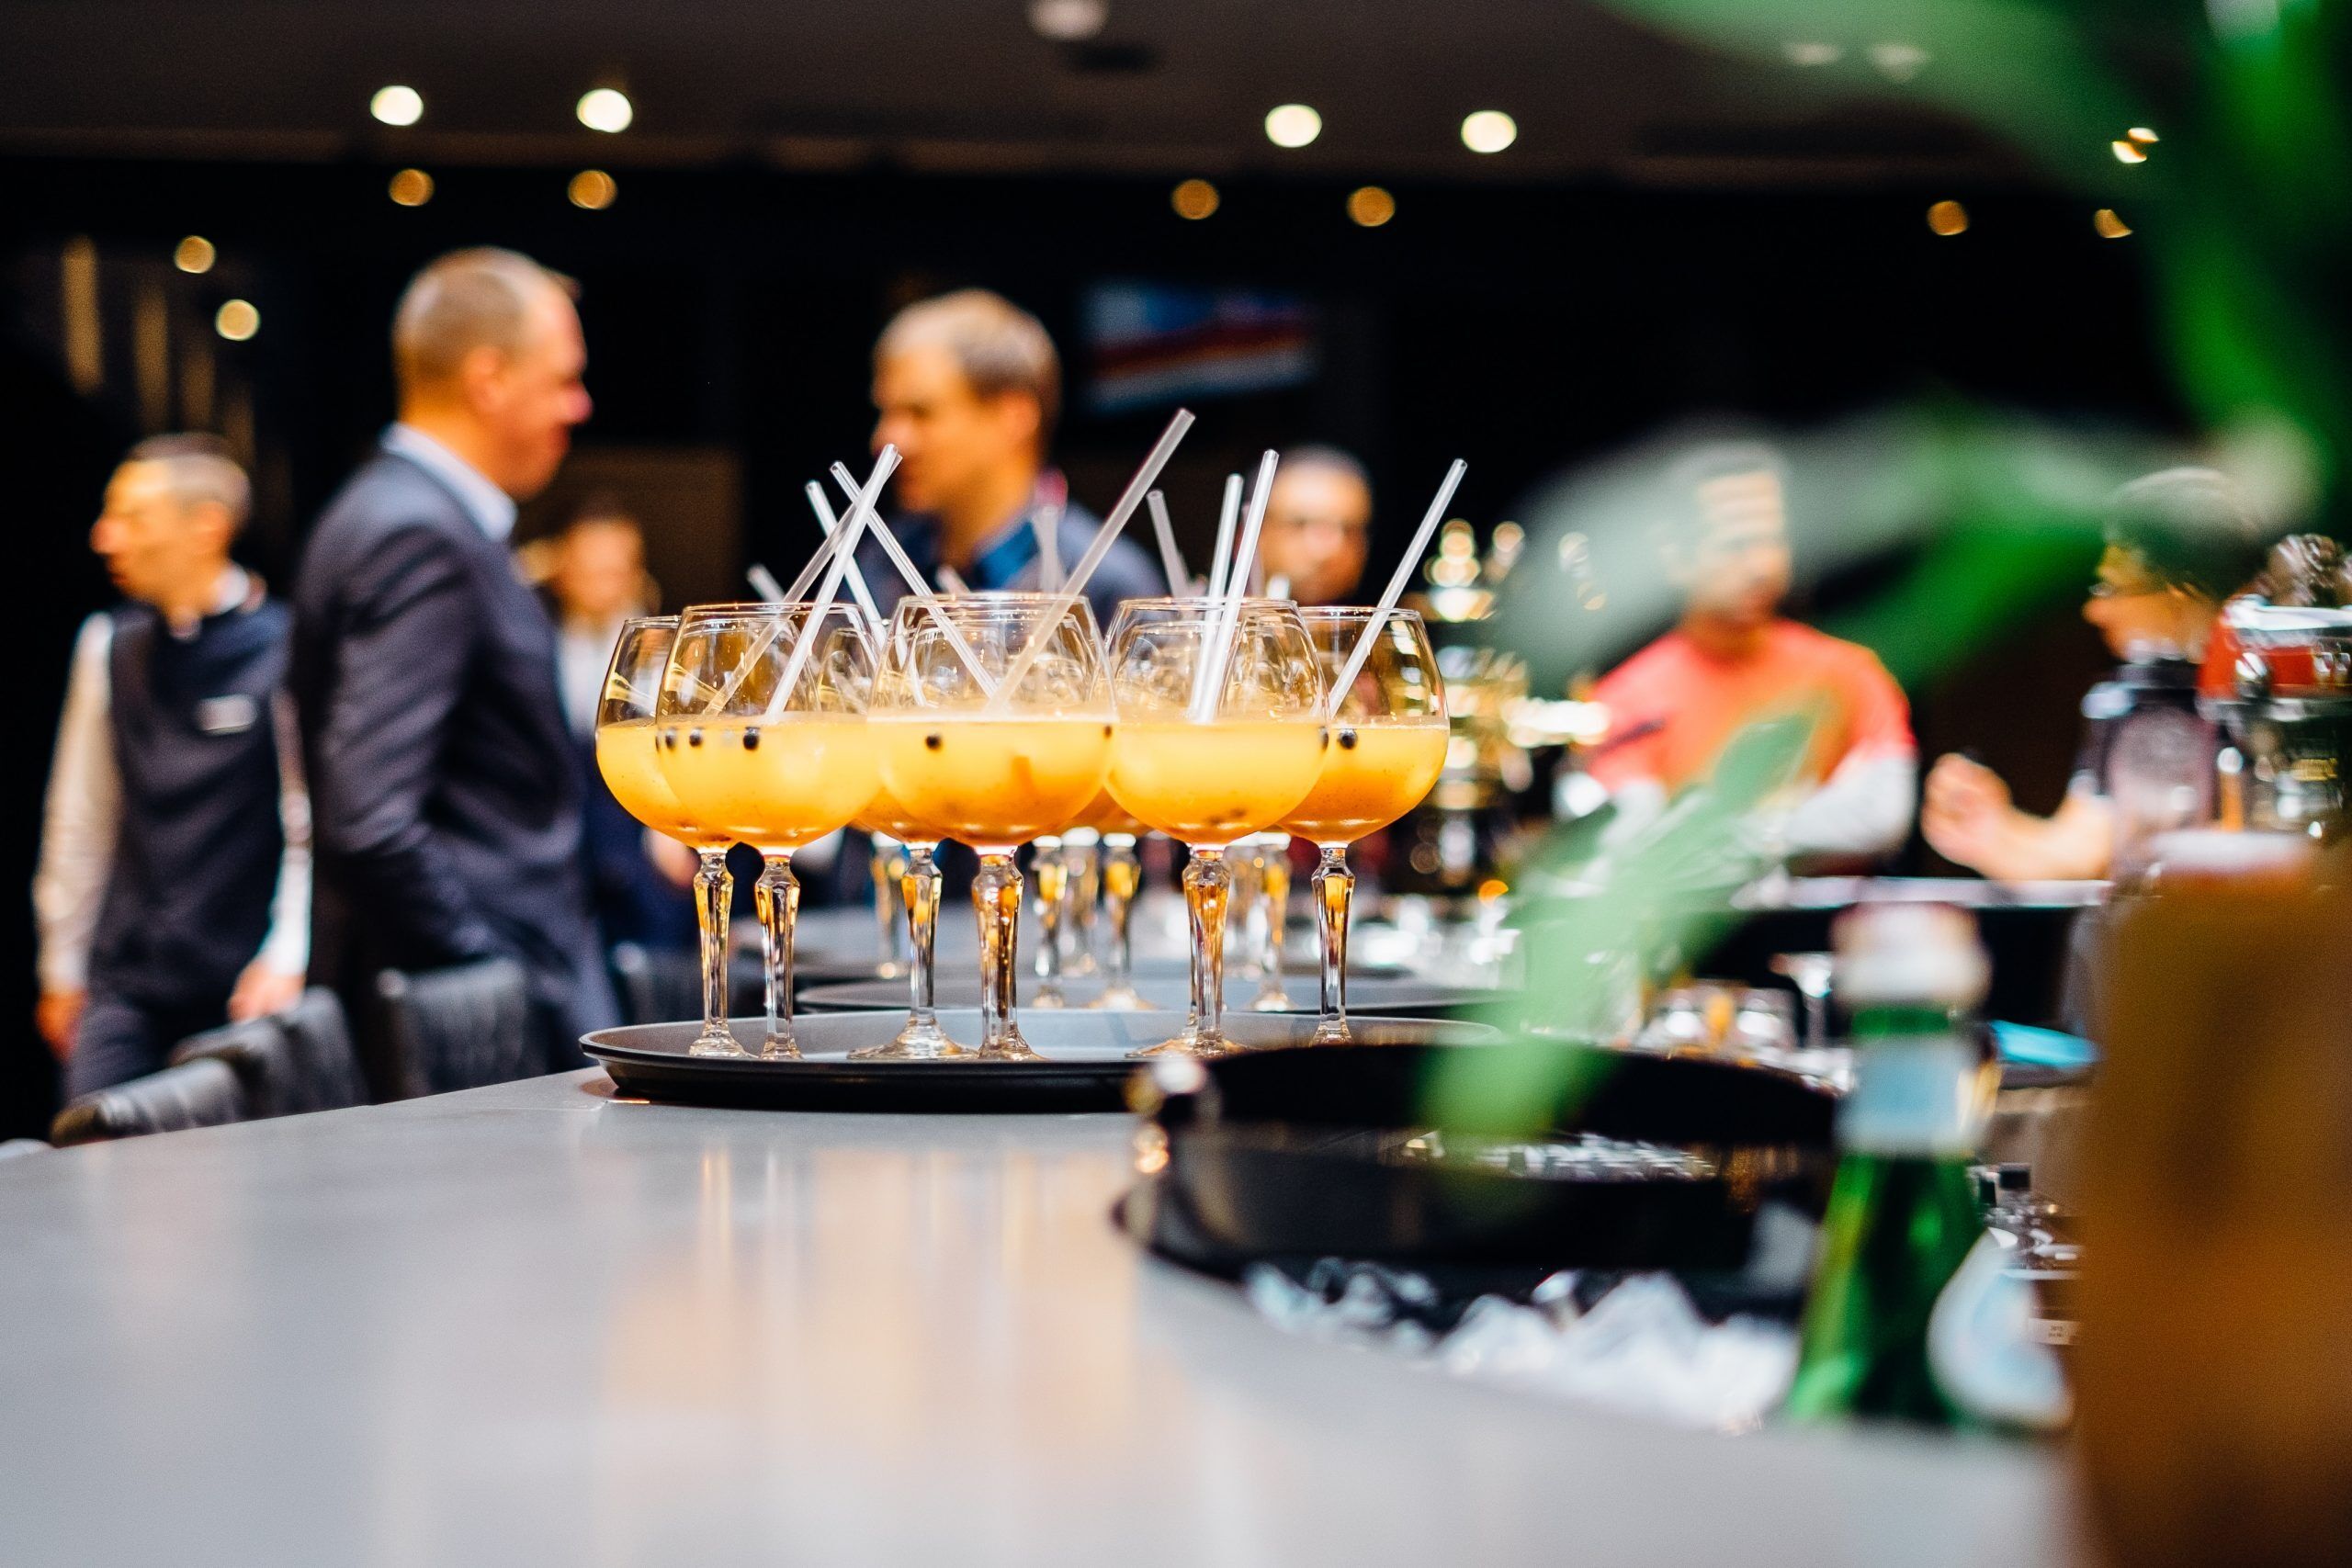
(1947, 218)
(2108, 225)
(236, 321)
(1488, 130)
(2142, 135)
(1899, 62)
(1371, 206)
(1293, 125)
(411, 187)
(592, 191)
(1069, 21)
(397, 105)
(2128, 151)
(1812, 53)
(194, 253)
(1193, 198)
(606, 109)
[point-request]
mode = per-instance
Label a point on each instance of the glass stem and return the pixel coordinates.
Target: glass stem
(714, 904)
(1053, 881)
(1122, 878)
(1208, 887)
(1083, 867)
(996, 895)
(1335, 887)
(888, 866)
(778, 897)
(920, 887)
(1273, 896)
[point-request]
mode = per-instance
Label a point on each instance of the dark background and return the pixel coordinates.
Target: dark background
(1523, 314)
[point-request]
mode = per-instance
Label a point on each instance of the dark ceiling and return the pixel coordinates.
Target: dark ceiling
(1166, 86)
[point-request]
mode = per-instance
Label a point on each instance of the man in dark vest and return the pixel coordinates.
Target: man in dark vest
(174, 887)
(447, 799)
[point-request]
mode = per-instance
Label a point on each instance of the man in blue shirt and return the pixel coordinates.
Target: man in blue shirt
(969, 387)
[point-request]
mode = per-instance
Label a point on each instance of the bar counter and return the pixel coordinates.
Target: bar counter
(536, 1324)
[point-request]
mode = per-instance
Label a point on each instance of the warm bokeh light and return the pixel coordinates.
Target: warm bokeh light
(606, 109)
(1371, 206)
(411, 187)
(1810, 54)
(236, 321)
(2142, 134)
(2128, 151)
(593, 189)
(1193, 198)
(1488, 130)
(2108, 225)
(194, 253)
(1069, 21)
(397, 105)
(1293, 125)
(1947, 218)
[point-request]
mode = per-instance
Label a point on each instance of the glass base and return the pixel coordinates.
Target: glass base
(1011, 1048)
(780, 1048)
(1271, 999)
(1048, 1001)
(1332, 1032)
(1120, 999)
(1204, 1047)
(915, 1043)
(717, 1042)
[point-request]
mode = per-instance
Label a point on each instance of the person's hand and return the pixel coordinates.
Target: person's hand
(58, 1015)
(671, 858)
(261, 990)
(1964, 806)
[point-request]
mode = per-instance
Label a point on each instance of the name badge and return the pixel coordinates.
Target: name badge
(231, 715)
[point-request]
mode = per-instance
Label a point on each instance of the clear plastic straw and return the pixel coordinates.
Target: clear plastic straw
(1179, 579)
(1046, 523)
(857, 579)
(952, 584)
(765, 584)
(1225, 621)
(844, 551)
(1379, 617)
(920, 589)
(1104, 537)
(1227, 515)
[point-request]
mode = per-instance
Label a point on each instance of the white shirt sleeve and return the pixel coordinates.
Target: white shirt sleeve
(286, 948)
(81, 817)
(1863, 808)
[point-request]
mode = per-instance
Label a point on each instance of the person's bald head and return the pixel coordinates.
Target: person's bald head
(487, 350)
(1319, 524)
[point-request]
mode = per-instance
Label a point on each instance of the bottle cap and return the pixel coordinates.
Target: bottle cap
(1909, 952)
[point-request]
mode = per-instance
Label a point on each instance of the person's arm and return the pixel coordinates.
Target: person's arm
(273, 981)
(1863, 808)
(80, 821)
(407, 637)
(1970, 821)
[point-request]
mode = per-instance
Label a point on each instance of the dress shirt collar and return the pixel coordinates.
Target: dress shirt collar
(492, 508)
(229, 591)
(1007, 552)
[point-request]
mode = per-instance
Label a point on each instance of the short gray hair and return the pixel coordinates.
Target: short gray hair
(461, 302)
(998, 346)
(197, 470)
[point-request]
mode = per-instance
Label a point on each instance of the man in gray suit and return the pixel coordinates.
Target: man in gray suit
(447, 800)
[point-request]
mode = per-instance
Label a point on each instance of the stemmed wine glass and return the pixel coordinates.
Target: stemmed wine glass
(992, 765)
(1220, 732)
(1388, 739)
(922, 1040)
(625, 756)
(763, 736)
(1122, 873)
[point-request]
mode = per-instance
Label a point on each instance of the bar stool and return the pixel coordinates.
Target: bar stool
(291, 1061)
(203, 1093)
(457, 1028)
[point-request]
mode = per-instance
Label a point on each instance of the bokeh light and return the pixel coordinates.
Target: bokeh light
(1293, 125)
(236, 319)
(1947, 218)
(1371, 206)
(1488, 130)
(592, 190)
(397, 105)
(606, 109)
(2108, 225)
(194, 253)
(1195, 199)
(411, 187)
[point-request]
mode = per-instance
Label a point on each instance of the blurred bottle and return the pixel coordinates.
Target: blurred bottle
(1902, 1211)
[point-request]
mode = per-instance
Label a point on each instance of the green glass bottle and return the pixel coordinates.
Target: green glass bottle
(1903, 1211)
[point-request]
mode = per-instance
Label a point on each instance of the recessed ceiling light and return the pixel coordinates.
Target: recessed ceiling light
(606, 109)
(1293, 125)
(194, 253)
(1070, 22)
(1488, 130)
(236, 319)
(397, 105)
(1193, 198)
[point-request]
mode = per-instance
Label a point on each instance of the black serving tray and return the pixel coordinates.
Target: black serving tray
(1169, 989)
(1338, 1153)
(1088, 1067)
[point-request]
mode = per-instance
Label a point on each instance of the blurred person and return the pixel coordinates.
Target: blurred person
(2179, 543)
(1318, 526)
(597, 580)
(967, 386)
(448, 799)
(173, 888)
(1734, 658)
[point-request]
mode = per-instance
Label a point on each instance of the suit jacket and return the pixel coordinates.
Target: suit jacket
(445, 795)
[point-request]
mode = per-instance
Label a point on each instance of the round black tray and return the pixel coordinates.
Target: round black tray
(1087, 1069)
(1166, 989)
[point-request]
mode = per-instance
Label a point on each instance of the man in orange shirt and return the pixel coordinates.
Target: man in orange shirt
(1733, 660)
